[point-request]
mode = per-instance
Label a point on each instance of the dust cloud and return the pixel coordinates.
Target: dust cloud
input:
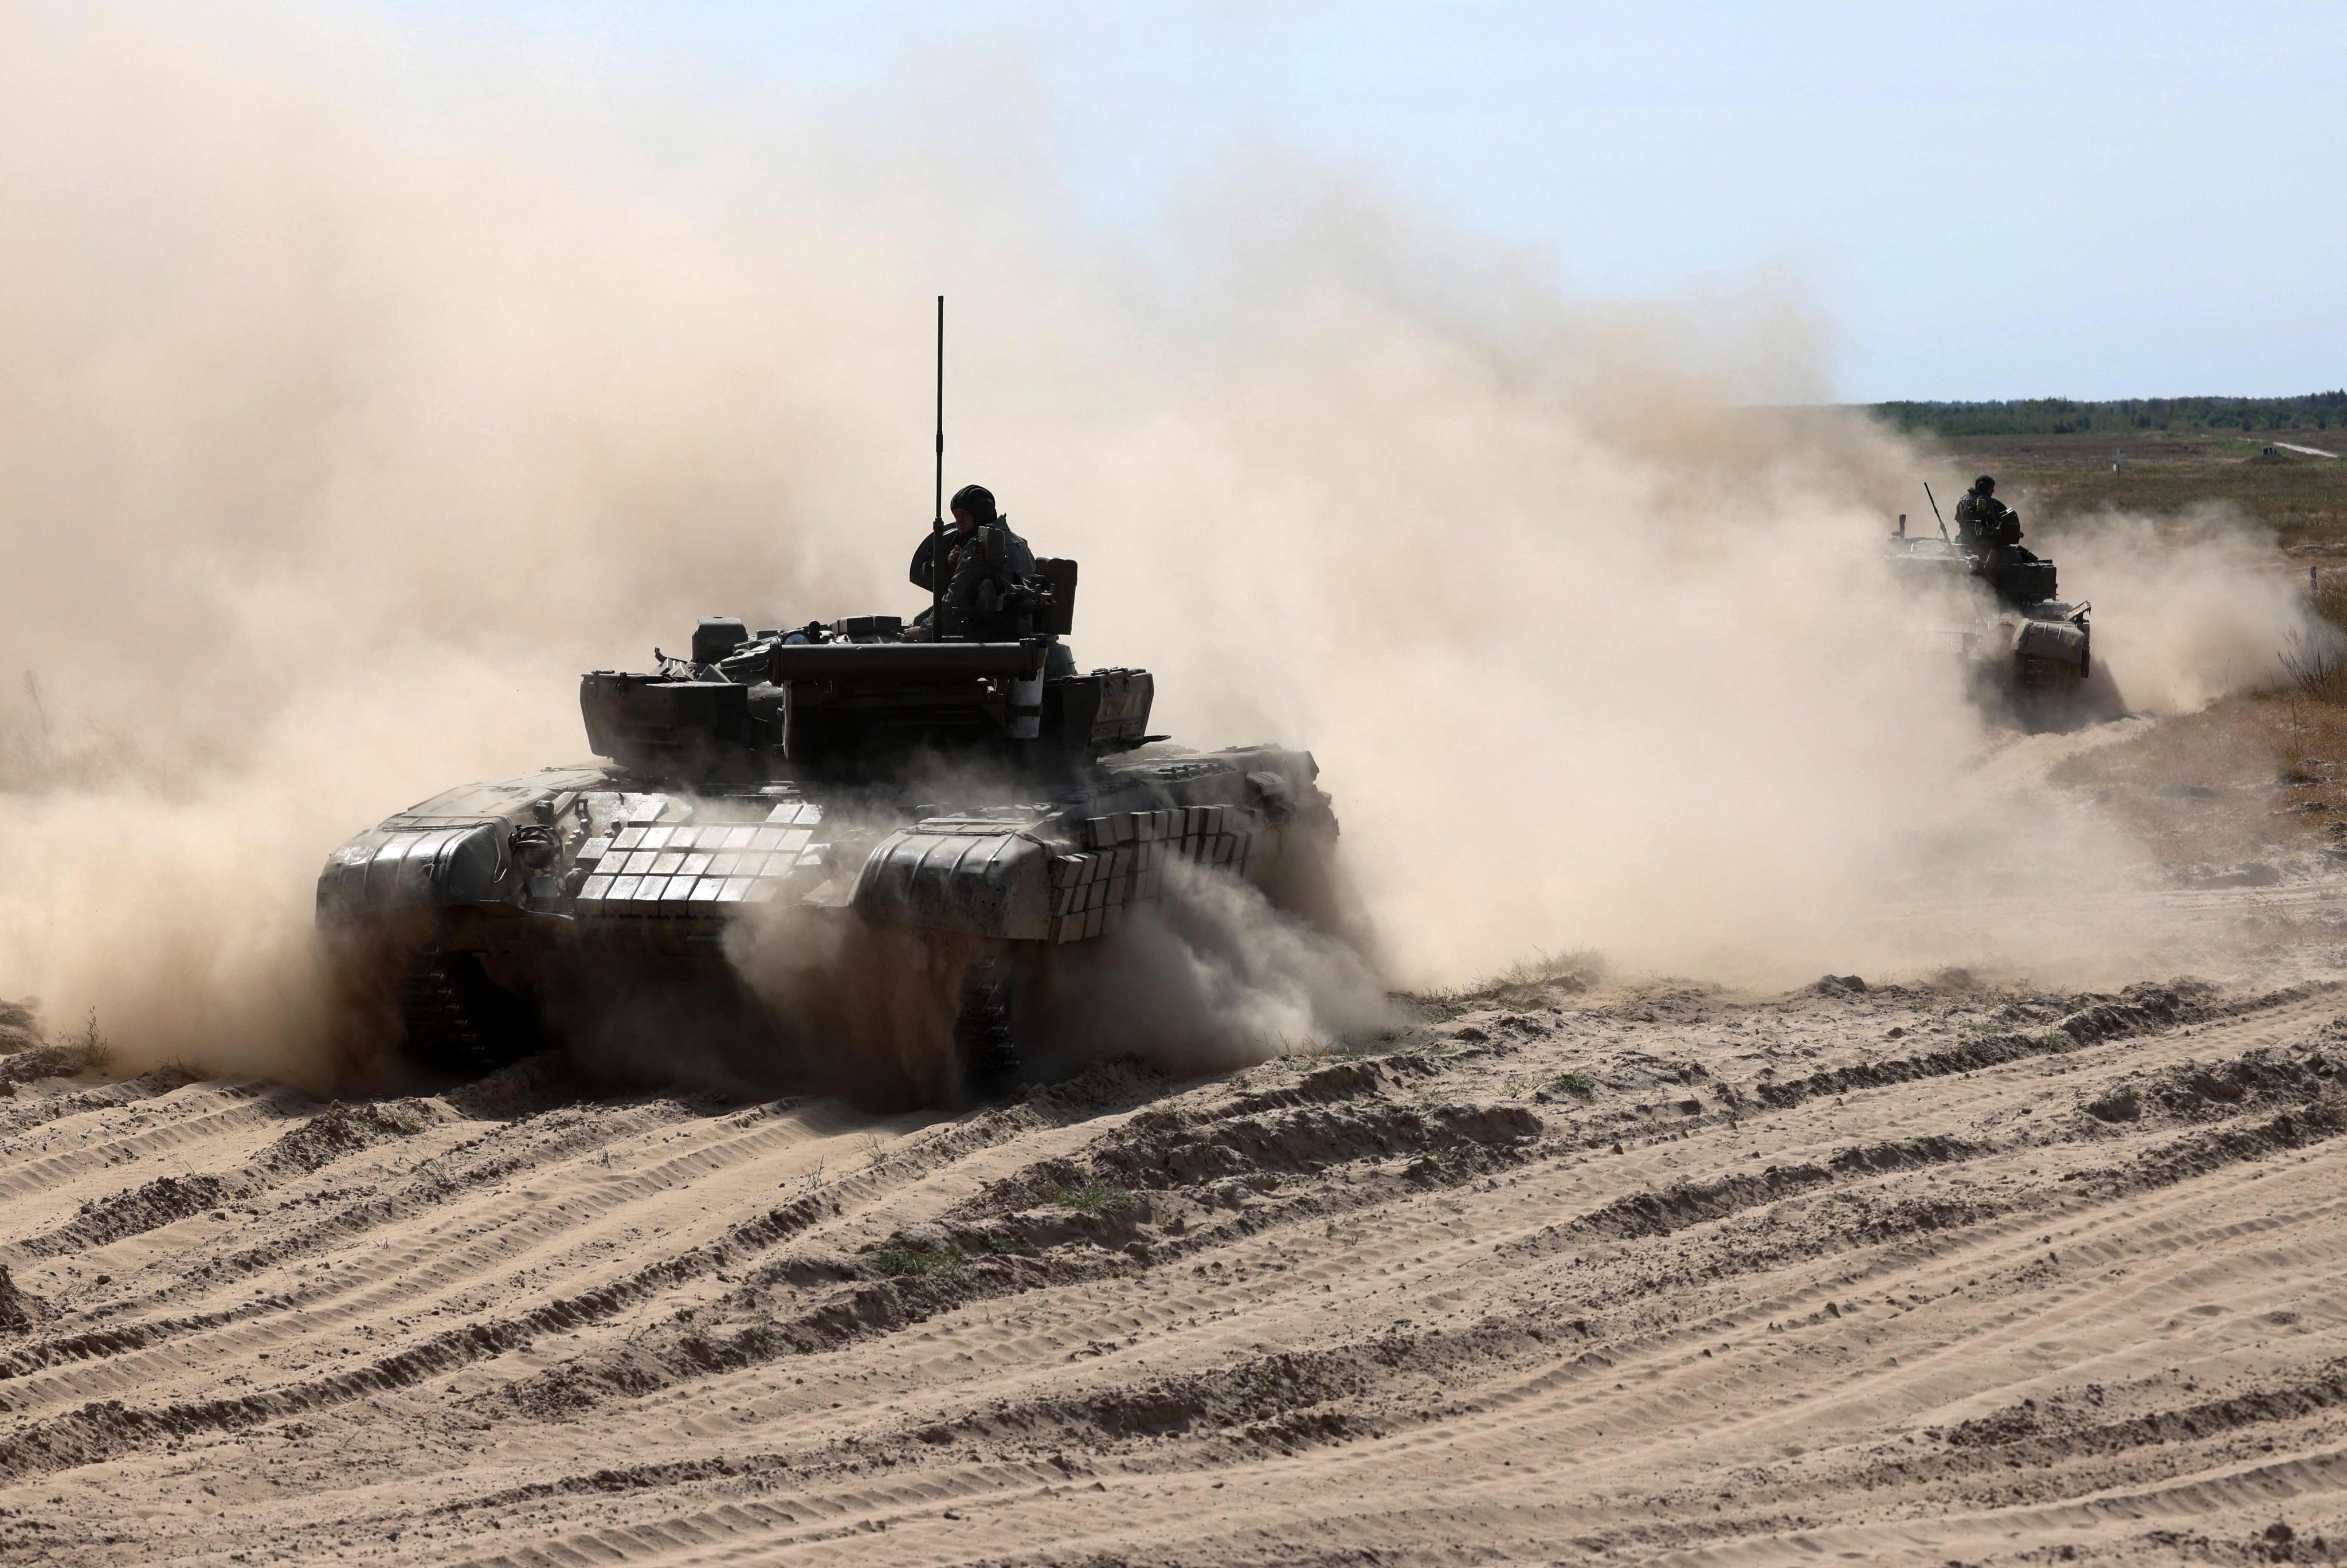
(358, 387)
(2186, 608)
(1215, 976)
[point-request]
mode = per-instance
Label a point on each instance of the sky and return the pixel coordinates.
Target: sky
(1976, 201)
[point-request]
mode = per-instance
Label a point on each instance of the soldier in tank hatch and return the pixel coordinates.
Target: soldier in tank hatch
(986, 570)
(1984, 522)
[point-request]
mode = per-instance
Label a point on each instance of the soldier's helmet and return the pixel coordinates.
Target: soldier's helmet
(1985, 484)
(978, 501)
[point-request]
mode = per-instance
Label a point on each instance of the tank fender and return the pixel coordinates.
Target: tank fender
(2055, 642)
(401, 869)
(978, 884)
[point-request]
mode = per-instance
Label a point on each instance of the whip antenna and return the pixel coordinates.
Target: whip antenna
(938, 524)
(941, 422)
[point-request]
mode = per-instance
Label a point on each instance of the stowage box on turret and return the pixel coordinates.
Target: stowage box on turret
(987, 792)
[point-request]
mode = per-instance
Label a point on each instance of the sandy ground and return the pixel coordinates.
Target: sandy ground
(1571, 1269)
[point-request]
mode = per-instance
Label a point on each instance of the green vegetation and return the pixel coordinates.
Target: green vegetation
(898, 1261)
(2064, 416)
(1097, 1199)
(1574, 1084)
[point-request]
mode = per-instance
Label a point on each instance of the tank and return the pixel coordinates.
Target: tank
(985, 803)
(2028, 652)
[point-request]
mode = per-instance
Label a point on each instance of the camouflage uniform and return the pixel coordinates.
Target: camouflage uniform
(986, 572)
(1984, 522)
(1993, 529)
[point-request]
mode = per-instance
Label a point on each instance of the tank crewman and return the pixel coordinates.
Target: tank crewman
(1984, 522)
(987, 567)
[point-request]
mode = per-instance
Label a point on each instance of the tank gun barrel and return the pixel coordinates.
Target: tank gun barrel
(912, 661)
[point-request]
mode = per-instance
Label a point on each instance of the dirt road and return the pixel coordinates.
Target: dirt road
(1905, 1275)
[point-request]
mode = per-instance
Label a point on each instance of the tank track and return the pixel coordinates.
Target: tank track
(455, 1018)
(985, 1043)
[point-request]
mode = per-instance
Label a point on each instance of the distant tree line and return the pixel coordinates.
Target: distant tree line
(2064, 416)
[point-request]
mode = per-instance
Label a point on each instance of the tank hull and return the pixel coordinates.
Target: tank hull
(2028, 656)
(537, 910)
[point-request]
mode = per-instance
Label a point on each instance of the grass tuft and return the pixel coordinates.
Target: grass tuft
(898, 1261)
(1573, 1084)
(2314, 662)
(1097, 1199)
(86, 1051)
(93, 1049)
(1541, 977)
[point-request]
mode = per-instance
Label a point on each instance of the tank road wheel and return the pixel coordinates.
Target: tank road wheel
(459, 1021)
(986, 1049)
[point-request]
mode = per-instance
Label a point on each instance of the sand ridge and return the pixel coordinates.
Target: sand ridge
(1570, 1268)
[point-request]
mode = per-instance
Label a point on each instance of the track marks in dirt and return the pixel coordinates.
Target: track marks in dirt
(334, 1134)
(107, 1132)
(576, 1198)
(1369, 1306)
